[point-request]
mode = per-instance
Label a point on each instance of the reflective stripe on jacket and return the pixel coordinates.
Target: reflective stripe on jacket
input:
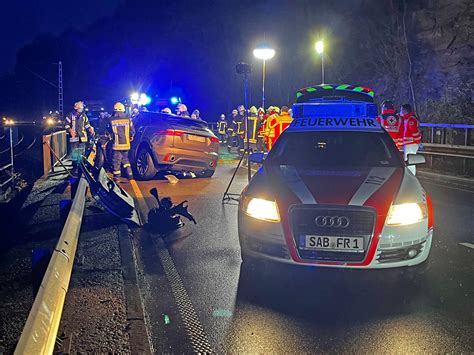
(122, 131)
(222, 126)
(411, 134)
(393, 124)
(79, 123)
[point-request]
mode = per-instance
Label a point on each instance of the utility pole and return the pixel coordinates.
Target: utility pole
(60, 90)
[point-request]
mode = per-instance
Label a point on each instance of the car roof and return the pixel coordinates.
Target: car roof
(322, 92)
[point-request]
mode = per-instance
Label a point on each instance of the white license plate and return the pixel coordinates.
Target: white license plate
(319, 242)
(197, 138)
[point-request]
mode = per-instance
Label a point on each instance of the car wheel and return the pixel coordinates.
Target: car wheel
(144, 166)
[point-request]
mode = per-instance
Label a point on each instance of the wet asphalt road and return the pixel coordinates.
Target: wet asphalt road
(196, 297)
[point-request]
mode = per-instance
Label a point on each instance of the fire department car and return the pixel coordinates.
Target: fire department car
(334, 191)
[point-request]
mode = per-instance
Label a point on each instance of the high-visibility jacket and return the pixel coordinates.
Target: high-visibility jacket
(79, 123)
(222, 127)
(252, 129)
(276, 124)
(393, 124)
(239, 126)
(411, 134)
(122, 131)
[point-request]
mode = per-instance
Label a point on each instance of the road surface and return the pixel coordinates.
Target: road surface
(197, 299)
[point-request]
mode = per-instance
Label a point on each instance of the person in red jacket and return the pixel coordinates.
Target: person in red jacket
(411, 132)
(392, 123)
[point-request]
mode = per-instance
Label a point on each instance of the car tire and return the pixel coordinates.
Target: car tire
(144, 165)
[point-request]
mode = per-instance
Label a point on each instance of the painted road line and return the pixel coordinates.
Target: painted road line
(468, 245)
(142, 207)
(197, 336)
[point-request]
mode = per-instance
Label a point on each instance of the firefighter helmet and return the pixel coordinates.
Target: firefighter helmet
(166, 110)
(234, 111)
(222, 117)
(253, 109)
(181, 108)
(79, 105)
(276, 109)
(119, 107)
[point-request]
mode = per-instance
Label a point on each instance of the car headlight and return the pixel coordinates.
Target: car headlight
(406, 213)
(261, 209)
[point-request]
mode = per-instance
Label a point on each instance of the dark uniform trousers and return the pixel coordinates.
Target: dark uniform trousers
(120, 157)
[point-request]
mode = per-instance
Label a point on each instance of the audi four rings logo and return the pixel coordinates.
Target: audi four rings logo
(332, 221)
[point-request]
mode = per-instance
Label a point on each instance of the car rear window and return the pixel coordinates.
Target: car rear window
(335, 149)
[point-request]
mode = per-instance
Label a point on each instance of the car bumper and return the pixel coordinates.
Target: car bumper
(171, 158)
(265, 240)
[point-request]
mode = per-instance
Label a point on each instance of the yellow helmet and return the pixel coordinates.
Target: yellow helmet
(79, 105)
(253, 109)
(276, 109)
(119, 107)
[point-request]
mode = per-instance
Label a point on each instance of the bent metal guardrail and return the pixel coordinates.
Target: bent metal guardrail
(41, 328)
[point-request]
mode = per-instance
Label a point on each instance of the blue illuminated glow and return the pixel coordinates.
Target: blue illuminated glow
(174, 100)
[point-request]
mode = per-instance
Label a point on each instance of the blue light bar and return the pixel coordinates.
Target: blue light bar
(334, 110)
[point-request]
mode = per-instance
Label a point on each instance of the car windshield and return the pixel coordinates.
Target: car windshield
(324, 149)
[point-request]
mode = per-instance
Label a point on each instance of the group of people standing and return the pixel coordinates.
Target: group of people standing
(403, 127)
(264, 127)
(116, 129)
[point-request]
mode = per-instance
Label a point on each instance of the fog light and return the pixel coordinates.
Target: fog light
(412, 253)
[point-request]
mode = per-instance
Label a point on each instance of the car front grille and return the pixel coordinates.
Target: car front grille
(303, 222)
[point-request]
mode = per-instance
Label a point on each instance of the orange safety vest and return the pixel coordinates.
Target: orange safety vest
(275, 126)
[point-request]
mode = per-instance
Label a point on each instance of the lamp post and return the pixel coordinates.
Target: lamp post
(320, 50)
(263, 52)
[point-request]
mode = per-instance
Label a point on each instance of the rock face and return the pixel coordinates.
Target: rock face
(440, 35)
(439, 38)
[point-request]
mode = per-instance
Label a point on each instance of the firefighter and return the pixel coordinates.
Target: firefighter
(251, 129)
(234, 128)
(261, 129)
(77, 126)
(391, 122)
(197, 114)
(241, 128)
(104, 137)
(276, 124)
(182, 110)
(166, 110)
(122, 133)
(222, 129)
(273, 114)
(135, 112)
(411, 133)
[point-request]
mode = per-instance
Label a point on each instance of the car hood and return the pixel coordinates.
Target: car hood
(374, 187)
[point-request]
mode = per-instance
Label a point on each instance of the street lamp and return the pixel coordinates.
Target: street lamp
(263, 52)
(320, 50)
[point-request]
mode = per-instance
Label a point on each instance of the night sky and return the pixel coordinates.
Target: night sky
(23, 20)
(189, 48)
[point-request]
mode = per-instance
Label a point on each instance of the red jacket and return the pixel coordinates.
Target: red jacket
(393, 124)
(411, 134)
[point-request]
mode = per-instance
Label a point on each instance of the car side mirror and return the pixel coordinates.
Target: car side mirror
(415, 159)
(257, 158)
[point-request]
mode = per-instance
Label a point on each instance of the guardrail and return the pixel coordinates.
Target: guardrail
(445, 133)
(54, 150)
(41, 328)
